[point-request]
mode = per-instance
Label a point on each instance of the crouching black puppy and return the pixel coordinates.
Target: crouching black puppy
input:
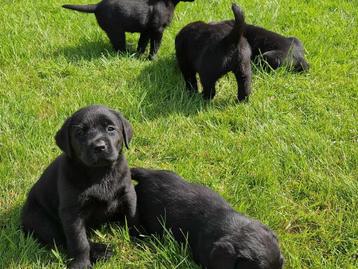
(148, 17)
(275, 49)
(212, 50)
(219, 237)
(88, 185)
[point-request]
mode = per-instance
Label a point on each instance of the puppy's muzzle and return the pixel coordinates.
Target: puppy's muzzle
(100, 146)
(102, 153)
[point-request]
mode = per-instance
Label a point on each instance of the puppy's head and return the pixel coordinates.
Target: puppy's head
(94, 135)
(253, 246)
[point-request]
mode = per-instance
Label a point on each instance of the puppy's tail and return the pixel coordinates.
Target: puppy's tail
(82, 8)
(239, 25)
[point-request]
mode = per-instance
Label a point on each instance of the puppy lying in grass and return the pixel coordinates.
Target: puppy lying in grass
(219, 237)
(88, 185)
(212, 50)
(147, 17)
(275, 50)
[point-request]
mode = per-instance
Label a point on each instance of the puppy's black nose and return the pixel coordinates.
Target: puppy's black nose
(99, 146)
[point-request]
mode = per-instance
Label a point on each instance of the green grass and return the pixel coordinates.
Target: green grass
(289, 157)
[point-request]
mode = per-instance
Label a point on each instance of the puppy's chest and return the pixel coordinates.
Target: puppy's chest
(101, 200)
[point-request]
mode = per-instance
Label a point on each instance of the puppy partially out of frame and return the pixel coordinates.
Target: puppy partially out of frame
(147, 17)
(274, 50)
(219, 237)
(212, 50)
(88, 185)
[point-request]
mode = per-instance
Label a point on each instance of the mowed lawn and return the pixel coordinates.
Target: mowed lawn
(288, 157)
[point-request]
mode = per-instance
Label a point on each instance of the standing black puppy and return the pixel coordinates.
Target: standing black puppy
(88, 185)
(212, 50)
(148, 17)
(219, 237)
(275, 49)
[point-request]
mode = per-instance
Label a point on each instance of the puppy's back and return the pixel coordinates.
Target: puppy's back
(214, 228)
(184, 206)
(45, 189)
(172, 187)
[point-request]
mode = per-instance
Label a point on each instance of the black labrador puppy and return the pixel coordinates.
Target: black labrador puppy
(219, 237)
(212, 50)
(88, 185)
(148, 17)
(274, 50)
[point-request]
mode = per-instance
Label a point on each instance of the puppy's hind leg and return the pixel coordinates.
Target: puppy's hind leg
(35, 221)
(189, 76)
(155, 41)
(243, 78)
(143, 42)
(190, 81)
(188, 72)
(118, 39)
(208, 86)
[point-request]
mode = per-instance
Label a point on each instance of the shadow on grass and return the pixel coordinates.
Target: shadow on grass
(92, 50)
(22, 251)
(18, 250)
(163, 91)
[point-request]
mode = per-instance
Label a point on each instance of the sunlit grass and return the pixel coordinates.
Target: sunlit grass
(289, 157)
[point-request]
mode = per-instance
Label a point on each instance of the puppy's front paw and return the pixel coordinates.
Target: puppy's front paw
(152, 57)
(243, 99)
(207, 96)
(100, 252)
(80, 264)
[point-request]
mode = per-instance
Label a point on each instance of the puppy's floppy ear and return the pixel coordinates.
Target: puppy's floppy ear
(127, 130)
(246, 264)
(222, 255)
(62, 138)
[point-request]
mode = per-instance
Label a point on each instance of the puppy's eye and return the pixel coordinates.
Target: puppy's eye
(80, 132)
(110, 129)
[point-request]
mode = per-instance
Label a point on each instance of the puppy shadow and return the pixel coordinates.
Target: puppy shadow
(18, 250)
(23, 251)
(90, 50)
(163, 92)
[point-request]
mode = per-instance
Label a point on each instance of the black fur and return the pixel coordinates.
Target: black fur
(275, 49)
(212, 50)
(219, 237)
(148, 17)
(88, 185)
